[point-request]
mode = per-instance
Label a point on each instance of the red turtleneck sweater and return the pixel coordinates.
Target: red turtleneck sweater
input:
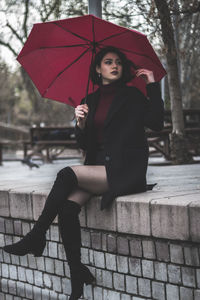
(107, 94)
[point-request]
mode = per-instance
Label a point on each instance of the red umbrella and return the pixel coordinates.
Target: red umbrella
(57, 55)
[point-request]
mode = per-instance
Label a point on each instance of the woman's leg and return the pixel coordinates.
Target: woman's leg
(91, 180)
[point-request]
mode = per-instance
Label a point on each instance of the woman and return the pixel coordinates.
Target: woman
(110, 129)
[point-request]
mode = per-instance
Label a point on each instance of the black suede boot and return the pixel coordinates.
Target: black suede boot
(34, 242)
(69, 226)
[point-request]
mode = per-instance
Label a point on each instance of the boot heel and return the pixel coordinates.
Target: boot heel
(88, 277)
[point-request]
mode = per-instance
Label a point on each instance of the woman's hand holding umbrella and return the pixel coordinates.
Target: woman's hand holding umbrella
(81, 113)
(147, 75)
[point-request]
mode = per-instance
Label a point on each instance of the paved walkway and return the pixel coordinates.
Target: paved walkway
(16, 176)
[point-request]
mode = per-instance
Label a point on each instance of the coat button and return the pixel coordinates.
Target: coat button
(107, 158)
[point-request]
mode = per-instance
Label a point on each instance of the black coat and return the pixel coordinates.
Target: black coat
(124, 140)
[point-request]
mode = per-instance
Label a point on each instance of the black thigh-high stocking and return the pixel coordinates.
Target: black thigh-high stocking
(34, 242)
(93, 180)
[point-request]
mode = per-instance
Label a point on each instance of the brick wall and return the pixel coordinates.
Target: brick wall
(126, 266)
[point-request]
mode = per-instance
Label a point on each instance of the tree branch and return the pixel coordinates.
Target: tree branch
(8, 46)
(15, 33)
(26, 13)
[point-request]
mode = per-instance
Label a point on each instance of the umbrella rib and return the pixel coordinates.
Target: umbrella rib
(113, 35)
(73, 33)
(137, 53)
(64, 71)
(64, 46)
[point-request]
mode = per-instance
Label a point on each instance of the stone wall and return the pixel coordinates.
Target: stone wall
(139, 249)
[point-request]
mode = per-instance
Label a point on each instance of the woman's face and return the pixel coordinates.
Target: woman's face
(110, 68)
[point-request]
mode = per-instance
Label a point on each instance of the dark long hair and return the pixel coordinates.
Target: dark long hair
(127, 65)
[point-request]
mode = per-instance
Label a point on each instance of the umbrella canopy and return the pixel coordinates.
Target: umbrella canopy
(57, 55)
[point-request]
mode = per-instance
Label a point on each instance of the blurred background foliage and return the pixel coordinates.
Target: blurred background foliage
(20, 103)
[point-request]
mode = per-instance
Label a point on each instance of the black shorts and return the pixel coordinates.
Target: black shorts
(100, 156)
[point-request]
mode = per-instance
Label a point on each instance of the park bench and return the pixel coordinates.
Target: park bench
(49, 142)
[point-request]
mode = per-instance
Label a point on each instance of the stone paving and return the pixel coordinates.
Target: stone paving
(169, 178)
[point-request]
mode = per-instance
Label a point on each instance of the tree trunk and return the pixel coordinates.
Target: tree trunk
(178, 142)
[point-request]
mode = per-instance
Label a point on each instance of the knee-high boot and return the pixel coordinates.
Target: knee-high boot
(69, 227)
(34, 242)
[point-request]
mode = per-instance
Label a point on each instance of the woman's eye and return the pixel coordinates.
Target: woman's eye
(108, 62)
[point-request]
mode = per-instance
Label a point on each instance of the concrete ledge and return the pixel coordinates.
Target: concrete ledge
(174, 215)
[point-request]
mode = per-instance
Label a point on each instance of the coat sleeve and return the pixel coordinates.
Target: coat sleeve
(154, 108)
(81, 134)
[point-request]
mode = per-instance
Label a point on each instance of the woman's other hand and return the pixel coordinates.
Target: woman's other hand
(147, 75)
(81, 113)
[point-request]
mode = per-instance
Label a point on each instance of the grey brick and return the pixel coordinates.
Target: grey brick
(32, 262)
(37, 293)
(188, 275)
(96, 240)
(174, 274)
(110, 295)
(59, 267)
(162, 251)
(66, 286)
(21, 274)
(2, 296)
(135, 266)
(56, 284)
(160, 271)
(125, 297)
(12, 287)
(107, 280)
(91, 257)
(53, 295)
(149, 249)
(99, 279)
(6, 257)
(15, 259)
(186, 293)
(88, 292)
(25, 228)
(13, 272)
(24, 261)
(172, 292)
(122, 264)
(196, 294)
(85, 255)
(85, 238)
(112, 243)
(17, 227)
(139, 298)
(54, 233)
(2, 225)
(49, 264)
(144, 287)
(4, 285)
(47, 280)
(122, 246)
(29, 291)
(98, 293)
(53, 250)
(20, 289)
(99, 259)
(61, 252)
(198, 277)
(8, 297)
(9, 226)
(66, 270)
(147, 268)
(111, 262)
(61, 297)
(131, 284)
(40, 263)
(104, 241)
(29, 276)
(38, 278)
(158, 290)
(45, 295)
(176, 254)
(118, 280)
(5, 270)
(136, 247)
(191, 256)
(8, 239)
(2, 242)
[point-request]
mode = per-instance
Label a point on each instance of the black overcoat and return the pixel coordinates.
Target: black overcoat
(124, 140)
